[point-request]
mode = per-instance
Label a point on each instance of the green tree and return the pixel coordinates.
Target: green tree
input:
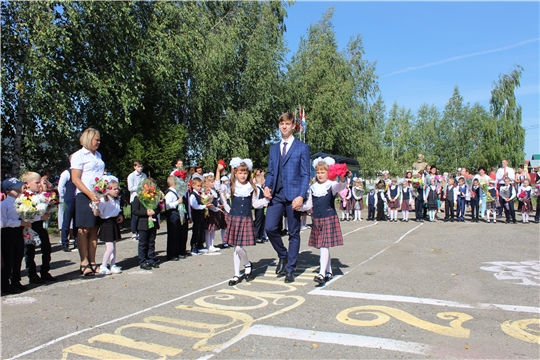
(508, 139)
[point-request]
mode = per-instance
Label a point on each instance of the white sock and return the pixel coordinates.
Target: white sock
(240, 256)
(223, 235)
(108, 253)
(325, 261)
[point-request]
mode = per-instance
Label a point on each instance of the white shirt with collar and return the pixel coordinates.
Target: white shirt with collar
(91, 165)
(133, 181)
(500, 174)
(289, 143)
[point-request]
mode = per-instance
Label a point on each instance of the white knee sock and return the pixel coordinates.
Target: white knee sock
(108, 253)
(325, 266)
(223, 235)
(240, 257)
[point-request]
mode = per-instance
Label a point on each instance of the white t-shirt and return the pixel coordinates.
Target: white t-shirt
(91, 165)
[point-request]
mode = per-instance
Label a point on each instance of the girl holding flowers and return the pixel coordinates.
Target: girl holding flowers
(326, 231)
(212, 217)
(524, 196)
(240, 230)
(146, 206)
(109, 210)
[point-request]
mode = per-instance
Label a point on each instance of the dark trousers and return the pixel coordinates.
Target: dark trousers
(173, 234)
(537, 215)
(461, 208)
(183, 237)
(449, 209)
(134, 221)
(197, 236)
(12, 246)
(147, 246)
(258, 223)
(371, 212)
(69, 214)
(510, 213)
(274, 214)
(45, 251)
(475, 208)
(419, 208)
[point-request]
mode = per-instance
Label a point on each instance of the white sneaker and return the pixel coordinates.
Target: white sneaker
(116, 269)
(103, 270)
(203, 250)
(213, 249)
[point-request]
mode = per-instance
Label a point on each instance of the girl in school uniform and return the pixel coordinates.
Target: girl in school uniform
(325, 232)
(381, 201)
(358, 195)
(431, 196)
(405, 200)
(240, 230)
(212, 220)
(109, 210)
(524, 197)
(491, 206)
(393, 193)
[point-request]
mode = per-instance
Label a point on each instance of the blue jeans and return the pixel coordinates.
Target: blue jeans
(461, 208)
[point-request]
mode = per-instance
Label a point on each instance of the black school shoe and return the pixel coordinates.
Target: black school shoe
(146, 266)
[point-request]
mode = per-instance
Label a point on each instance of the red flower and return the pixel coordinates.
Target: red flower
(221, 162)
(181, 174)
(337, 170)
(96, 179)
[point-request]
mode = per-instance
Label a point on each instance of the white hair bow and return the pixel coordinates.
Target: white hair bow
(208, 174)
(236, 162)
(328, 160)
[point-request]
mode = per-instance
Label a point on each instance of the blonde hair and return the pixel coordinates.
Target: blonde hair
(170, 181)
(241, 167)
(196, 181)
(111, 183)
(321, 166)
(87, 136)
(27, 176)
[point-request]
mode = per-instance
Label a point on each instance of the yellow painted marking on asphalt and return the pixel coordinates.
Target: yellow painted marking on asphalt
(383, 314)
(520, 329)
(95, 353)
(136, 344)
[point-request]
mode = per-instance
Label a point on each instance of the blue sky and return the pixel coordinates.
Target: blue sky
(424, 49)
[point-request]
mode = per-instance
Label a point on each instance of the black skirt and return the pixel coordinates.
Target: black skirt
(84, 217)
(109, 230)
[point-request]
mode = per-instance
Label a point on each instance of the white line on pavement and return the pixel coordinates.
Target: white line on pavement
(415, 300)
(328, 338)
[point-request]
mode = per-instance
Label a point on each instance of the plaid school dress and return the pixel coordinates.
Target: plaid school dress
(325, 230)
(240, 229)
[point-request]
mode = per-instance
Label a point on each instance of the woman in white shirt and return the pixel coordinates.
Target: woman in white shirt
(86, 166)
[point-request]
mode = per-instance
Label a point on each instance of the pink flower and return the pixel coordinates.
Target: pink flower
(103, 191)
(96, 179)
(96, 188)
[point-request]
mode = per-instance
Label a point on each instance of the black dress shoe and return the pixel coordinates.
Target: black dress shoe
(146, 266)
(235, 280)
(8, 289)
(176, 258)
(181, 256)
(66, 249)
(48, 277)
(19, 286)
(36, 280)
(247, 275)
(289, 277)
(155, 265)
(280, 269)
(319, 279)
(259, 241)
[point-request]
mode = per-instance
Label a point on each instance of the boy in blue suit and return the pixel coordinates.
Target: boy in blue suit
(287, 183)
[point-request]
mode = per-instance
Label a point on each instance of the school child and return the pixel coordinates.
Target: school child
(371, 200)
(197, 216)
(211, 219)
(240, 230)
(493, 204)
(345, 205)
(358, 195)
(393, 194)
(450, 200)
(475, 200)
(463, 191)
(133, 181)
(381, 202)
(524, 196)
(431, 195)
(33, 185)
(405, 200)
(12, 244)
(147, 234)
(260, 216)
(224, 188)
(326, 231)
(110, 212)
(172, 201)
(508, 194)
(418, 195)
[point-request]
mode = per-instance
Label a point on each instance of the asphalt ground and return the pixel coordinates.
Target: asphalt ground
(401, 290)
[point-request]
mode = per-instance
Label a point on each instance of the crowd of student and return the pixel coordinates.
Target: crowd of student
(212, 202)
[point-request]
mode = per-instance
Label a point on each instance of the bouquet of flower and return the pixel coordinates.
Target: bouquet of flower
(484, 186)
(207, 198)
(505, 193)
(522, 196)
(181, 187)
(359, 192)
(343, 195)
(149, 196)
(52, 200)
(28, 206)
(101, 186)
(416, 185)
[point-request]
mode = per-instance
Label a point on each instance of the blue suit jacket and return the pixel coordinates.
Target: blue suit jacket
(296, 170)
